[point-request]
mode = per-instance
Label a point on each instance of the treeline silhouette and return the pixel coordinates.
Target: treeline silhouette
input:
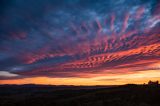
(45, 95)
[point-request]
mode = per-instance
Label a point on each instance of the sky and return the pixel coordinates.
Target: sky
(79, 42)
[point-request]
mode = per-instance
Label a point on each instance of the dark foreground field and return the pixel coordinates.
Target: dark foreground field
(38, 95)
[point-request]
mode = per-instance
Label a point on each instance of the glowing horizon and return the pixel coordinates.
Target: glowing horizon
(131, 78)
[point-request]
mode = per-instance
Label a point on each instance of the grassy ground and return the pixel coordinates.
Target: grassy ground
(127, 95)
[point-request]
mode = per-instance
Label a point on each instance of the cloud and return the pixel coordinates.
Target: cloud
(7, 74)
(78, 39)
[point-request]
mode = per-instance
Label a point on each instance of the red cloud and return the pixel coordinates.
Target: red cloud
(127, 49)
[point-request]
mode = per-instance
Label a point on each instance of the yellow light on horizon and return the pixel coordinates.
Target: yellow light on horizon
(139, 77)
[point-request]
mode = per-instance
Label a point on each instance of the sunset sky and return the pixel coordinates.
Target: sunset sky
(79, 42)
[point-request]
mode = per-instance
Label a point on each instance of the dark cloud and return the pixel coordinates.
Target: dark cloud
(75, 37)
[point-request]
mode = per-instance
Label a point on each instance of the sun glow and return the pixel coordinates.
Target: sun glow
(139, 77)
